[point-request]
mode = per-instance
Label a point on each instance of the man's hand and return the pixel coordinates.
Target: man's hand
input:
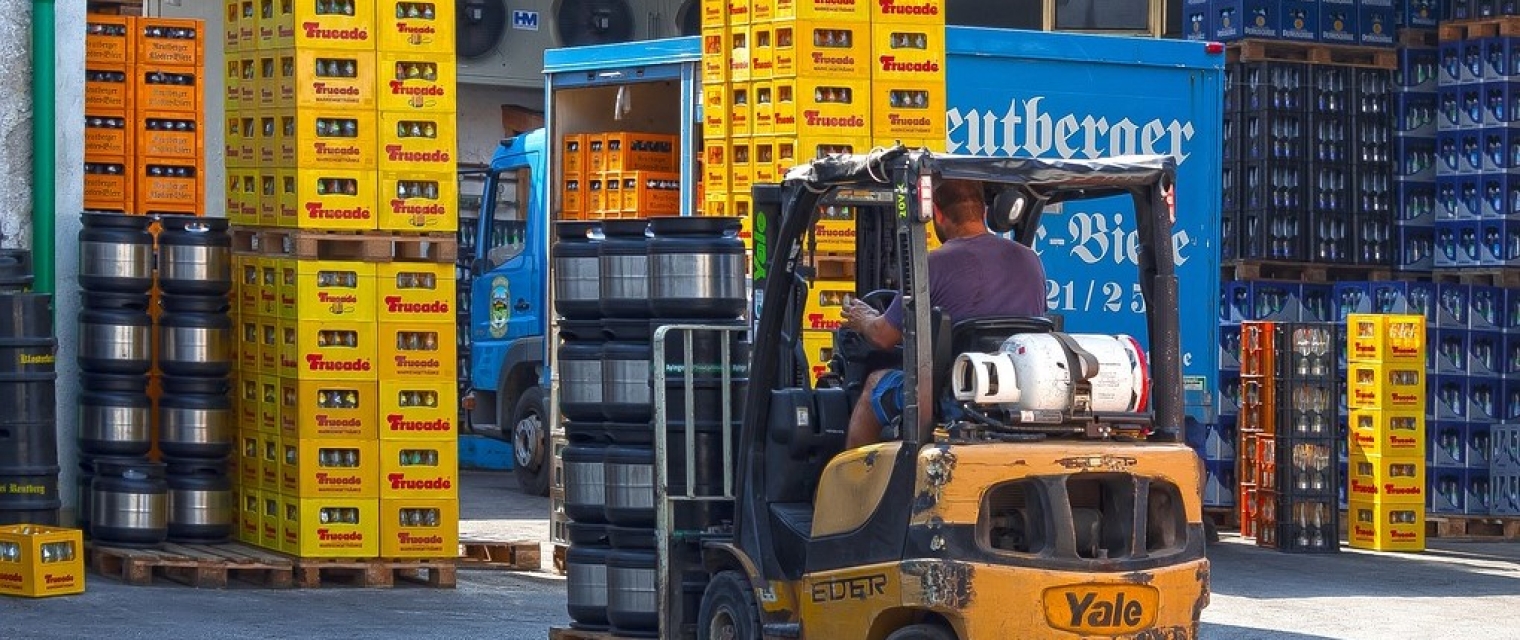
(858, 315)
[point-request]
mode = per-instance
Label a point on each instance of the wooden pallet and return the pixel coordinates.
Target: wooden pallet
(200, 566)
(366, 246)
(1302, 271)
(1419, 38)
(373, 574)
(1480, 28)
(1491, 277)
(561, 563)
(1472, 528)
(832, 267)
(1312, 53)
(511, 556)
(566, 633)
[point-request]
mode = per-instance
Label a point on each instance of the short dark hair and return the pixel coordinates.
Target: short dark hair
(962, 201)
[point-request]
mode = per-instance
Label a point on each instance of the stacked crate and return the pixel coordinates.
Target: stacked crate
(143, 122)
(1416, 107)
(1504, 471)
(1344, 22)
(622, 174)
(1386, 392)
(341, 116)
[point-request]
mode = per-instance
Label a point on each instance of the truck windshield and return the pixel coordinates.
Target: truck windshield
(507, 211)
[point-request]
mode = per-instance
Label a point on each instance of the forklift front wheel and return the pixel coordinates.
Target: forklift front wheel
(922, 632)
(530, 443)
(728, 609)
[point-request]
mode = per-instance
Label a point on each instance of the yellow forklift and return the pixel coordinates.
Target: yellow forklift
(1035, 486)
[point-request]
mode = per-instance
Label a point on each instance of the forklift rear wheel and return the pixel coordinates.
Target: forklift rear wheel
(922, 632)
(728, 610)
(530, 443)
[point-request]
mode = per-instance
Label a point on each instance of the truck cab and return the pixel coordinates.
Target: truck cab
(507, 309)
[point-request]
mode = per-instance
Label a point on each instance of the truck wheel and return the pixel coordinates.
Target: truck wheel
(728, 610)
(922, 632)
(530, 443)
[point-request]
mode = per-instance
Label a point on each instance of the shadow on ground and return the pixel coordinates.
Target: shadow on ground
(1447, 570)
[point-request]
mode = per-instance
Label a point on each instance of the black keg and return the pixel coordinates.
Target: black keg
(696, 267)
(586, 584)
(201, 502)
(31, 491)
(631, 537)
(627, 371)
(623, 267)
(115, 334)
(129, 502)
(194, 256)
(577, 271)
(15, 271)
(195, 418)
(116, 253)
(27, 345)
(580, 370)
(115, 416)
(584, 482)
(195, 336)
(630, 477)
(82, 491)
(632, 598)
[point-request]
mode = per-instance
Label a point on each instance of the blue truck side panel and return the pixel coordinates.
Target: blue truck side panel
(508, 302)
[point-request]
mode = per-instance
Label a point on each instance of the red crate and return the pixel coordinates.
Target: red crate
(1258, 349)
(1258, 405)
(1266, 463)
(1266, 519)
(1248, 510)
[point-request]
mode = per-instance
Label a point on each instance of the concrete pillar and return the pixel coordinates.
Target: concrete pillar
(69, 62)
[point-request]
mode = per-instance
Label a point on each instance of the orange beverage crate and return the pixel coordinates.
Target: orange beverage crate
(171, 41)
(109, 89)
(108, 186)
(1258, 349)
(176, 89)
(108, 138)
(169, 185)
(110, 39)
(170, 135)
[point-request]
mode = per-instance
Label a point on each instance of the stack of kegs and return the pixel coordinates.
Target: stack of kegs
(28, 426)
(196, 426)
(613, 293)
(126, 500)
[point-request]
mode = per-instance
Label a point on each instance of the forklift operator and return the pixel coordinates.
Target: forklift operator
(975, 274)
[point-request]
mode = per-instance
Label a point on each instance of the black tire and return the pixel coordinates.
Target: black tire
(922, 632)
(531, 457)
(728, 609)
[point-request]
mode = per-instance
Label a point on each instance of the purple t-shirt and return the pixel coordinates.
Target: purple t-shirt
(981, 277)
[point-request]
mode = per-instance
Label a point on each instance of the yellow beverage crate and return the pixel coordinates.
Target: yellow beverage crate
(907, 110)
(651, 193)
(413, 142)
(835, 230)
(912, 52)
(833, 10)
(740, 209)
(1392, 435)
(832, 107)
(269, 519)
(337, 350)
(316, 25)
(420, 469)
(248, 83)
(417, 292)
(246, 138)
(269, 404)
(419, 201)
(572, 154)
(230, 22)
(762, 11)
(640, 152)
(269, 345)
(825, 304)
(266, 139)
(714, 14)
(232, 84)
(338, 527)
(328, 409)
(269, 287)
(37, 561)
(820, 349)
(738, 54)
(822, 49)
(333, 139)
(269, 197)
(248, 348)
(794, 150)
(741, 166)
(762, 110)
(716, 44)
(714, 112)
(418, 410)
(248, 199)
(1386, 386)
(762, 51)
(1385, 527)
(335, 199)
(594, 197)
(250, 511)
(413, 528)
(250, 455)
(909, 12)
(409, 26)
(610, 204)
(317, 468)
(738, 13)
(276, 84)
(412, 351)
(326, 79)
(247, 24)
(287, 198)
(720, 204)
(269, 462)
(415, 83)
(573, 205)
(1375, 338)
(740, 111)
(1385, 480)
(328, 290)
(596, 153)
(764, 169)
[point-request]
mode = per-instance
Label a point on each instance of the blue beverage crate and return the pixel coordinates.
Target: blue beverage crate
(1448, 155)
(1316, 303)
(1417, 14)
(1501, 149)
(1449, 66)
(1485, 354)
(1351, 297)
(1451, 347)
(1445, 490)
(1504, 448)
(1446, 443)
(1477, 492)
(1418, 69)
(1486, 308)
(1221, 442)
(1448, 204)
(1479, 445)
(1338, 23)
(1416, 248)
(1415, 202)
(1484, 400)
(1229, 347)
(1375, 24)
(1235, 302)
(1504, 491)
(1418, 298)
(1499, 103)
(1448, 393)
(1453, 305)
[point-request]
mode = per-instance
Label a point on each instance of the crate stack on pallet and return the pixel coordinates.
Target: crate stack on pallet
(1386, 389)
(143, 115)
(784, 83)
(1288, 482)
(607, 176)
(342, 189)
(1416, 107)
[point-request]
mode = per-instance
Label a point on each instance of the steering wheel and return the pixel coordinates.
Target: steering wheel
(879, 299)
(853, 346)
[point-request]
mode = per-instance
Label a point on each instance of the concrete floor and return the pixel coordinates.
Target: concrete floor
(1456, 590)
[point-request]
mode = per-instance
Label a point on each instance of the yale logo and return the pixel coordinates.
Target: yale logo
(525, 20)
(1101, 609)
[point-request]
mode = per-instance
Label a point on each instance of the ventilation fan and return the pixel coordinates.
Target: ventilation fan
(586, 22)
(689, 19)
(480, 25)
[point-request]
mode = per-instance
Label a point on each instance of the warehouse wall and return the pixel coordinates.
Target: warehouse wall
(480, 127)
(214, 96)
(70, 198)
(16, 125)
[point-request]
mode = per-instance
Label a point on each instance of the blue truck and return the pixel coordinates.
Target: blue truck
(1010, 93)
